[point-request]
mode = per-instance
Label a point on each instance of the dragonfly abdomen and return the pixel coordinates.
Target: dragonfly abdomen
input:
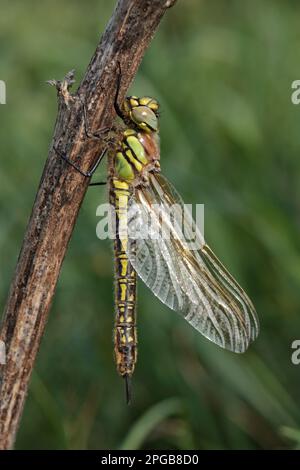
(125, 334)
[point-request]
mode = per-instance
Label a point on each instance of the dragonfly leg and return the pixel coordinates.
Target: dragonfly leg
(99, 133)
(100, 183)
(87, 174)
(103, 131)
(116, 102)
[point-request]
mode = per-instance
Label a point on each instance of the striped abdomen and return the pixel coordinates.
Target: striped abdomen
(125, 335)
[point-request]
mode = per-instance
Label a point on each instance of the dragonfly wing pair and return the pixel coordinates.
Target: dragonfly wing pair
(190, 281)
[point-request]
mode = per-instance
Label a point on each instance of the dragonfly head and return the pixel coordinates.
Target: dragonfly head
(143, 112)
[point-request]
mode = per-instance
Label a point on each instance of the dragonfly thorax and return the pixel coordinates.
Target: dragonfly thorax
(136, 156)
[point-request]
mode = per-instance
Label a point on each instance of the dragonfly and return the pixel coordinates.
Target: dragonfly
(189, 280)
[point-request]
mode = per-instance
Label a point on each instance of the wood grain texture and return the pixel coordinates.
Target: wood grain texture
(60, 195)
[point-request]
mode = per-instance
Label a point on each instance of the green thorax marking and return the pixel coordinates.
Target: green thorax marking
(131, 158)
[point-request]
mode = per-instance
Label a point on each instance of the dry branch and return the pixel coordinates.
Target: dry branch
(60, 195)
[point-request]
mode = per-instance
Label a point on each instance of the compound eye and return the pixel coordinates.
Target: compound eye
(145, 118)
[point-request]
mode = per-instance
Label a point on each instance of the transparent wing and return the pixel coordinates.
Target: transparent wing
(182, 271)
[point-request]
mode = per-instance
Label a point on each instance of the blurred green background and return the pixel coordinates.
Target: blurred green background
(222, 71)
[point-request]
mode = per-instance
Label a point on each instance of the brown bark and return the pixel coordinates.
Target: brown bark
(60, 195)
